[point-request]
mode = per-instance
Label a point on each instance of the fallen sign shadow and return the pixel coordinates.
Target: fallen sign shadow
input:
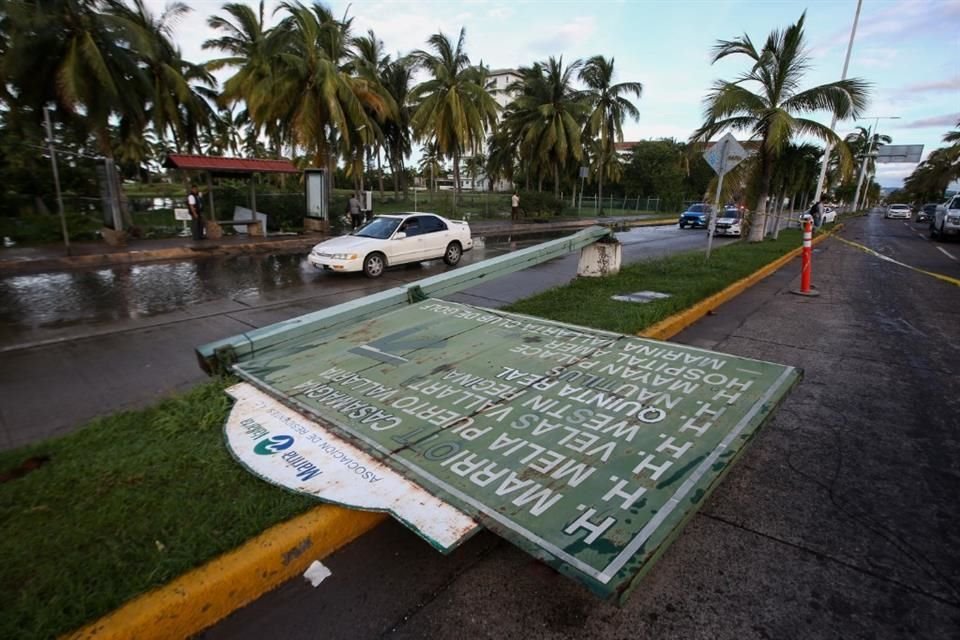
(587, 449)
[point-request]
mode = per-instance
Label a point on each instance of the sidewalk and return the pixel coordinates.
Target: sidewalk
(93, 254)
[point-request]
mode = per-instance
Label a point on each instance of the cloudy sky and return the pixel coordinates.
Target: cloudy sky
(908, 49)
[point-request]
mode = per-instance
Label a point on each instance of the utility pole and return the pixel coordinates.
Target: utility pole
(833, 122)
(56, 179)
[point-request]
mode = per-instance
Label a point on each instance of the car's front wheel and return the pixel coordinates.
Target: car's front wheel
(374, 264)
(683, 225)
(453, 253)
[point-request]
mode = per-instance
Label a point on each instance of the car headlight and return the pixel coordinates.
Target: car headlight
(953, 219)
(344, 256)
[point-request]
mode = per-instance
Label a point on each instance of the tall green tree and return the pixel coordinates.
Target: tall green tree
(454, 107)
(774, 111)
(546, 118)
(326, 107)
(397, 81)
(172, 104)
(68, 52)
(610, 107)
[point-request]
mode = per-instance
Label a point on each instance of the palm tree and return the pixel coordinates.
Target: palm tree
(396, 80)
(454, 107)
(794, 175)
(69, 53)
(774, 113)
(253, 53)
(546, 117)
(431, 162)
(314, 93)
(860, 143)
(501, 156)
(610, 108)
(929, 181)
(173, 104)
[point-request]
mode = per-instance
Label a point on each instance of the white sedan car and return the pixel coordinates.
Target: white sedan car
(394, 239)
(828, 214)
(901, 211)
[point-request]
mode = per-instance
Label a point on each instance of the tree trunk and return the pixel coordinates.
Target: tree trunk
(396, 180)
(380, 171)
(775, 232)
(456, 177)
(760, 211)
(600, 186)
(556, 180)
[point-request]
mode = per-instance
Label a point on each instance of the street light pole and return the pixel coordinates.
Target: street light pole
(833, 122)
(56, 179)
(863, 167)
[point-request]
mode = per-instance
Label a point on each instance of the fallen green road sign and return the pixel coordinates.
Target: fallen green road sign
(588, 449)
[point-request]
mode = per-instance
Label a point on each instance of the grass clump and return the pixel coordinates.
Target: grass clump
(124, 505)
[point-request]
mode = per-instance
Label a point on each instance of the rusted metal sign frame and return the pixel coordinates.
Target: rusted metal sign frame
(630, 561)
(221, 354)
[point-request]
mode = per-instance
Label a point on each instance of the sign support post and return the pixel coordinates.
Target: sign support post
(722, 157)
(712, 225)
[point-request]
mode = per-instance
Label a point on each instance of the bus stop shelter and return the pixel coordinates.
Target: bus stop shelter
(229, 168)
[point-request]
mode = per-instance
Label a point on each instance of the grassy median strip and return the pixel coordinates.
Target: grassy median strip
(687, 277)
(91, 520)
(121, 506)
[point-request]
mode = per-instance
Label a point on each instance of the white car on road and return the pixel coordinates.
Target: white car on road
(946, 220)
(901, 211)
(394, 239)
(729, 222)
(828, 214)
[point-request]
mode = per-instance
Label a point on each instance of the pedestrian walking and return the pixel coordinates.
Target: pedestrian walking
(515, 207)
(356, 216)
(816, 214)
(195, 205)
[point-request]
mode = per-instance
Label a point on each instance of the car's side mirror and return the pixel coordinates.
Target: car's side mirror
(400, 235)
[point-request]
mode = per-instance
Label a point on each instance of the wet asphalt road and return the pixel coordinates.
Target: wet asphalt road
(108, 339)
(840, 521)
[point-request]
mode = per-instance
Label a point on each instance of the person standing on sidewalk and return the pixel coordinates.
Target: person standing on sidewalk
(356, 216)
(195, 205)
(515, 207)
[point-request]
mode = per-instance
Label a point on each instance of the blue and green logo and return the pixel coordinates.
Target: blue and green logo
(273, 445)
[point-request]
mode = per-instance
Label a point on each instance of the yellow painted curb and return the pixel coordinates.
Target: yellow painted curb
(669, 327)
(199, 598)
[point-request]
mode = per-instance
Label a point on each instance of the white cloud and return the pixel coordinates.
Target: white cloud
(948, 85)
(945, 120)
(551, 39)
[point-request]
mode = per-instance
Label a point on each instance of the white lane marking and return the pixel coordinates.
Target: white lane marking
(947, 253)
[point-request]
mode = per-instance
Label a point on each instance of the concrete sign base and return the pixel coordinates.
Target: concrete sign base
(588, 449)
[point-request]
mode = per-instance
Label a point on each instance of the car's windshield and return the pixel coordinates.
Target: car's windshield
(380, 228)
(899, 206)
(696, 208)
(731, 213)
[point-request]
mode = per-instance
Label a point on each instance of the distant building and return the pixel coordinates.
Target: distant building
(500, 80)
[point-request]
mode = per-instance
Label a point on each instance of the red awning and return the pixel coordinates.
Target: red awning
(228, 165)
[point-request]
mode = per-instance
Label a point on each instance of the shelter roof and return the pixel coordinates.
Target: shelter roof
(228, 165)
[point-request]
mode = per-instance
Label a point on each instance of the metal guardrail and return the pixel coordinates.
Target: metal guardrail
(218, 356)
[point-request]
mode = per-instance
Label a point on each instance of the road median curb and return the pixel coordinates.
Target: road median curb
(207, 594)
